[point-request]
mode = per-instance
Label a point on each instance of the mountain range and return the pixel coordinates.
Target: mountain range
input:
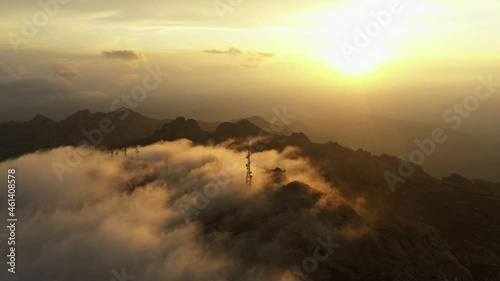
(425, 228)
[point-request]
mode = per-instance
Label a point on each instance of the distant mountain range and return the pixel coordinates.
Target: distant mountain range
(470, 155)
(426, 227)
(42, 133)
(473, 155)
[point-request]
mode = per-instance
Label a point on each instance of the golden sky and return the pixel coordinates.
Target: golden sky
(279, 26)
(263, 46)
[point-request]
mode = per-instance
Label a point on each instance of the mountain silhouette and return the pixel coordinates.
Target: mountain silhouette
(43, 133)
(425, 227)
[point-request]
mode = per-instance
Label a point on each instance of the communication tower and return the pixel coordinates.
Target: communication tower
(249, 170)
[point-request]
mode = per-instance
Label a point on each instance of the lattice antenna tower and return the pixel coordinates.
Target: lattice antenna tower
(249, 169)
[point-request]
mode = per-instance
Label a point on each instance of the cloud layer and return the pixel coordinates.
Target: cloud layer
(125, 55)
(230, 51)
(252, 59)
(172, 211)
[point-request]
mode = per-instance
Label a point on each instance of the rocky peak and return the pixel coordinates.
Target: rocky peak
(242, 128)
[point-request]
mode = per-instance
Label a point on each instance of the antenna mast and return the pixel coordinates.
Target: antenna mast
(249, 171)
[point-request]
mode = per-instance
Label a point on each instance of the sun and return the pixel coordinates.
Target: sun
(352, 60)
(357, 37)
(361, 65)
(360, 37)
